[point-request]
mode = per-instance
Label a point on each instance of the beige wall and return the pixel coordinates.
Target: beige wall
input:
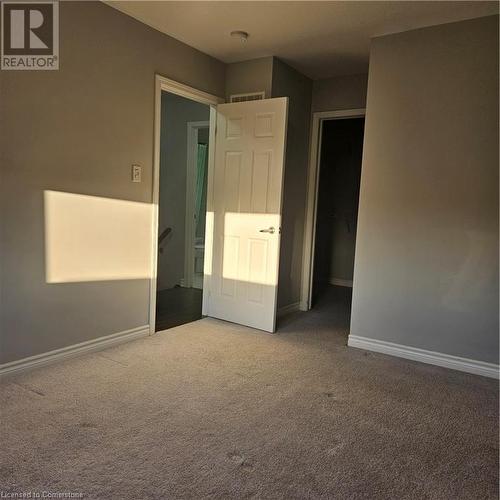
(288, 82)
(342, 92)
(254, 75)
(78, 130)
(426, 266)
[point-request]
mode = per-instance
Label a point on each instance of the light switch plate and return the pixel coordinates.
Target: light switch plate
(136, 173)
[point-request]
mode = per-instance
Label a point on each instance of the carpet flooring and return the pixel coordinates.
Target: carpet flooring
(215, 410)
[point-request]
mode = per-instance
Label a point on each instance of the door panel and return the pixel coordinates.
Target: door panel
(247, 192)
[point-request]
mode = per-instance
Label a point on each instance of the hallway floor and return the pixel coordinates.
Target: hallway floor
(176, 306)
(215, 410)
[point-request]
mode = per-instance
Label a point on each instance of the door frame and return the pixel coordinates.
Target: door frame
(166, 84)
(318, 119)
(192, 159)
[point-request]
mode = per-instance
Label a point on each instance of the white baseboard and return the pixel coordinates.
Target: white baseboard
(424, 356)
(21, 365)
(340, 282)
(288, 309)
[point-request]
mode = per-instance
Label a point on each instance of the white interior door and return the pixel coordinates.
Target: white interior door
(244, 216)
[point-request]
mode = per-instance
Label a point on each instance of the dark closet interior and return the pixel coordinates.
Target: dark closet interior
(337, 207)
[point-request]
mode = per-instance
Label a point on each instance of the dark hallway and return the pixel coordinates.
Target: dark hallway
(337, 208)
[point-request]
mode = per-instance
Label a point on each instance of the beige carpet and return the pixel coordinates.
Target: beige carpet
(214, 410)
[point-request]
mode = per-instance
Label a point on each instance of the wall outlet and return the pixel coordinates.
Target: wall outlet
(136, 173)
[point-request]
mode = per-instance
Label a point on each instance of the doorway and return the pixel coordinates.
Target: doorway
(337, 210)
(197, 155)
(184, 126)
(181, 210)
(235, 195)
(335, 173)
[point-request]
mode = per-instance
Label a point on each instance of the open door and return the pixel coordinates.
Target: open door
(244, 213)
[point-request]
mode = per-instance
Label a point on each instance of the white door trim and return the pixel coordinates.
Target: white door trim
(165, 84)
(312, 194)
(192, 159)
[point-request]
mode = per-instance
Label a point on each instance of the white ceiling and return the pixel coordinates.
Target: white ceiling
(319, 38)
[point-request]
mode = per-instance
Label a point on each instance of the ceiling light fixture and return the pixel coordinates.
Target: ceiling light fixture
(242, 35)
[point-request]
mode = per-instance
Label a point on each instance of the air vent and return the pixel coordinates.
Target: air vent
(252, 96)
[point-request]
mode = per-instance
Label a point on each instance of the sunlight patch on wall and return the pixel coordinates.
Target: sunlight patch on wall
(89, 238)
